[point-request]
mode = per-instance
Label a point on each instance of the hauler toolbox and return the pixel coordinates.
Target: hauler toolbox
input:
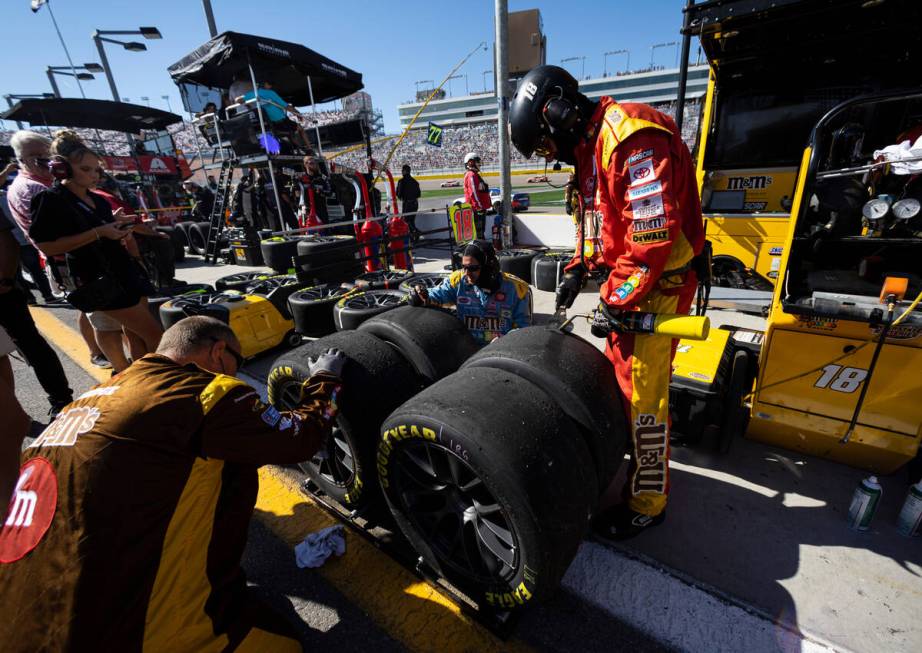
(709, 380)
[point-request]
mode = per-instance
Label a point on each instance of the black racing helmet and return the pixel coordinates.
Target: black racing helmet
(546, 103)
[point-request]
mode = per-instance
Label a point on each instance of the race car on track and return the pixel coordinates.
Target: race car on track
(538, 179)
(450, 183)
(520, 201)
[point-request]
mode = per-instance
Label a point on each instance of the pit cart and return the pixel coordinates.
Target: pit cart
(776, 67)
(835, 373)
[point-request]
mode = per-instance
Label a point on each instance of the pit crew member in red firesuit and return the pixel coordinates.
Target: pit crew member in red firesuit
(489, 302)
(633, 168)
(131, 510)
(476, 192)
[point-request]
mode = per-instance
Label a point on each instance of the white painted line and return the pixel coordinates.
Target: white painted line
(674, 610)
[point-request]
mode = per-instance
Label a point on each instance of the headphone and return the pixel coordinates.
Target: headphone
(60, 169)
(559, 113)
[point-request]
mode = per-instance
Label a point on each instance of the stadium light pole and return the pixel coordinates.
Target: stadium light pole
(423, 81)
(132, 46)
(614, 52)
(583, 59)
(501, 65)
(168, 105)
(484, 75)
(209, 17)
(146, 100)
(69, 71)
(663, 45)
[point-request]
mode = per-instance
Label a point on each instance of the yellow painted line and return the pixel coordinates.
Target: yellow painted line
(68, 341)
(409, 610)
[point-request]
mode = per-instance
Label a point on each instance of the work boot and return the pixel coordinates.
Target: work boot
(621, 523)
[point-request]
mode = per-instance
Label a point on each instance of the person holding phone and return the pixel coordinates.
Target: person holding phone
(68, 219)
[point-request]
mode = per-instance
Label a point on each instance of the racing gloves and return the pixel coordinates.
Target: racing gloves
(569, 288)
(603, 320)
(330, 363)
(418, 296)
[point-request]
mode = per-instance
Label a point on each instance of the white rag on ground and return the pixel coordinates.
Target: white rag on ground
(905, 150)
(317, 547)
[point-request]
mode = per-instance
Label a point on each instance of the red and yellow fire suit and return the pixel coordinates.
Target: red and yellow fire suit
(637, 182)
(476, 192)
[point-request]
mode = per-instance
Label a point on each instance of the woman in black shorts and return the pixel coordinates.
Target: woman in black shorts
(68, 219)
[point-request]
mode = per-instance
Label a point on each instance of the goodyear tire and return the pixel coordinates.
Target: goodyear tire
(735, 415)
(178, 238)
(278, 251)
(154, 303)
(330, 258)
(383, 279)
(433, 341)
(198, 237)
(428, 280)
(376, 379)
(547, 270)
(241, 280)
(208, 304)
(517, 262)
(183, 228)
(578, 377)
(157, 255)
(353, 309)
(496, 501)
(312, 309)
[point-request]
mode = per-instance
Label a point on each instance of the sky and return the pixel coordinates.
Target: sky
(392, 44)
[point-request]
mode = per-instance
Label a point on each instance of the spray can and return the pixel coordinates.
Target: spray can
(864, 504)
(909, 523)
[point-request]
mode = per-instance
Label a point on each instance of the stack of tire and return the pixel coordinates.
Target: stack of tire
(517, 262)
(196, 236)
(329, 259)
(494, 473)
(278, 251)
(312, 309)
(390, 359)
(178, 239)
(547, 269)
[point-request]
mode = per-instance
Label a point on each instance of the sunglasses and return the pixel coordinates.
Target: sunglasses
(471, 268)
(230, 350)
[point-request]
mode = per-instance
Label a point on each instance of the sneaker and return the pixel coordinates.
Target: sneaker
(56, 407)
(100, 360)
(51, 300)
(621, 523)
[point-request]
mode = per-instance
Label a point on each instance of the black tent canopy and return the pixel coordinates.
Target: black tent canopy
(284, 65)
(98, 114)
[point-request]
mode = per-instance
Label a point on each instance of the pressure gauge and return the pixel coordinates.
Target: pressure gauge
(906, 209)
(875, 210)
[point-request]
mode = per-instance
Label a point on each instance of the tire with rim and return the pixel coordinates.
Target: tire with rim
(547, 270)
(517, 262)
(376, 379)
(241, 280)
(278, 251)
(208, 304)
(432, 340)
(495, 497)
(198, 237)
(312, 309)
(578, 376)
(178, 238)
(154, 303)
(383, 279)
(353, 309)
(427, 279)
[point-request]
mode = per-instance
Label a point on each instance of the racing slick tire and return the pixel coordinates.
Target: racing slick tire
(427, 279)
(198, 237)
(208, 304)
(432, 340)
(376, 379)
(517, 262)
(157, 256)
(495, 501)
(312, 309)
(735, 414)
(183, 228)
(578, 376)
(547, 270)
(383, 279)
(278, 251)
(178, 238)
(330, 258)
(353, 309)
(241, 280)
(154, 303)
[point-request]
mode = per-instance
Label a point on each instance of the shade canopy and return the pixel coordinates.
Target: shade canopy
(283, 65)
(92, 114)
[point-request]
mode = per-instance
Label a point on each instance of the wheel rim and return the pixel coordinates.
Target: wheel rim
(458, 516)
(338, 467)
(319, 293)
(372, 300)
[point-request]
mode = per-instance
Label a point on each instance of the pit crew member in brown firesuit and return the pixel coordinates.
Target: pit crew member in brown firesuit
(633, 168)
(488, 301)
(131, 510)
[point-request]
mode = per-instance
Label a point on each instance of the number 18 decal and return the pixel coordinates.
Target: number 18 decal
(841, 379)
